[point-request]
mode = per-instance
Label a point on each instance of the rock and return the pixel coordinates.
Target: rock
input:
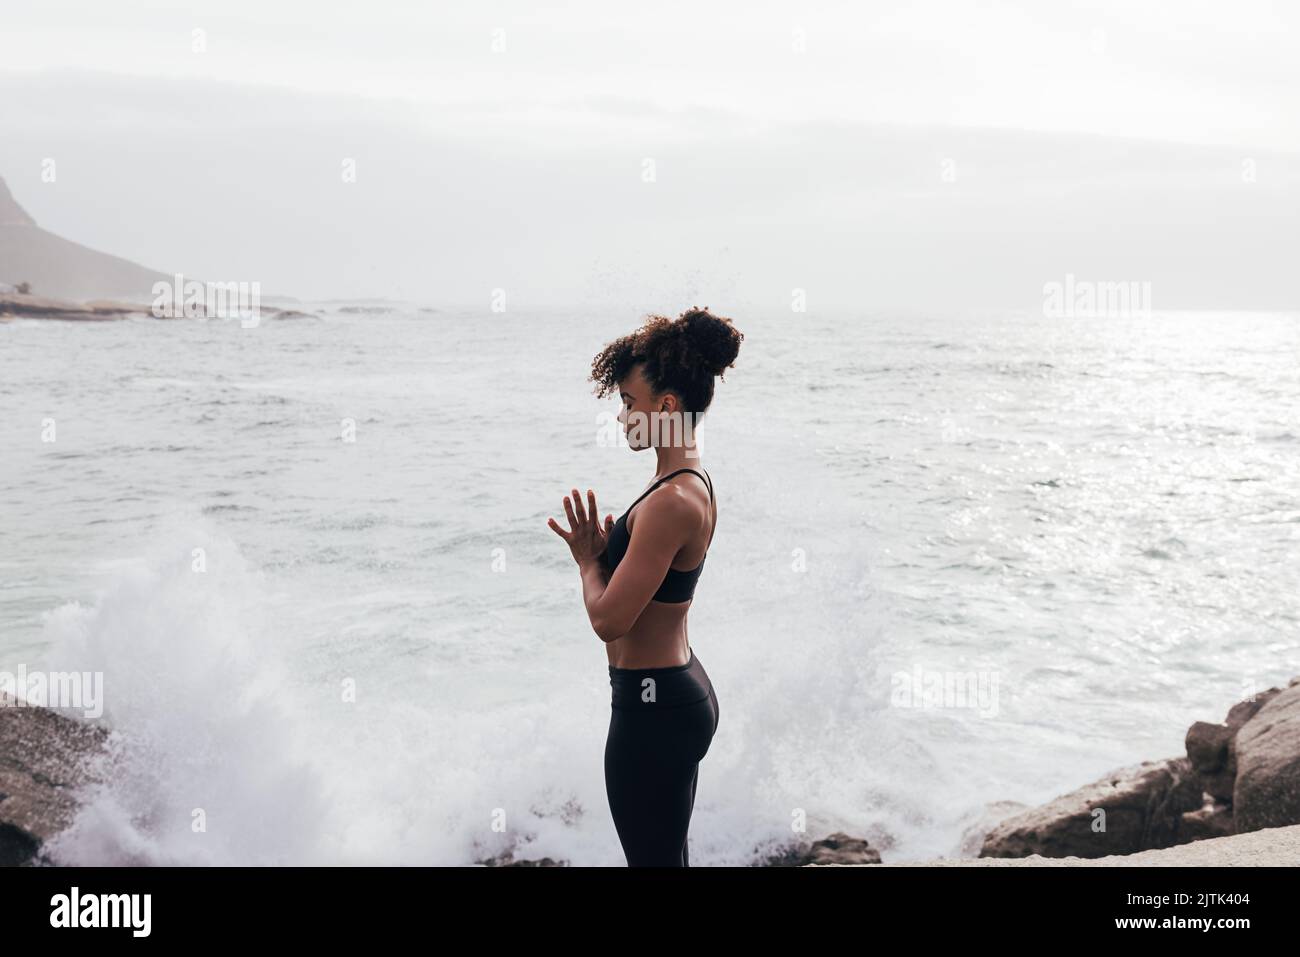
(1215, 819)
(43, 307)
(38, 307)
(1267, 753)
(1209, 750)
(507, 861)
(44, 756)
(1207, 745)
(113, 308)
(1212, 747)
(366, 310)
(1143, 807)
(1273, 847)
(839, 848)
(1219, 784)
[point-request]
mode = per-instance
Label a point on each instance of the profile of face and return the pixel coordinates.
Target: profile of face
(650, 419)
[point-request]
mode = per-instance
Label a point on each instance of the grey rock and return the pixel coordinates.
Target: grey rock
(44, 757)
(839, 848)
(1143, 806)
(1267, 751)
(1213, 820)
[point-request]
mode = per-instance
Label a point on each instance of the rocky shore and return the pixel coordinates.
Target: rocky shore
(1237, 776)
(14, 305)
(44, 756)
(1233, 799)
(1271, 847)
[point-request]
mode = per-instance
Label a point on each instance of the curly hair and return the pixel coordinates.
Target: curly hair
(681, 355)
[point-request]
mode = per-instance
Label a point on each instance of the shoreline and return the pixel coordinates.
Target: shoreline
(1232, 801)
(1270, 847)
(14, 305)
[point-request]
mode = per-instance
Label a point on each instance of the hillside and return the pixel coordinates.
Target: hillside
(59, 268)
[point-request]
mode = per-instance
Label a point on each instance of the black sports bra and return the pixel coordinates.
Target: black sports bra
(678, 586)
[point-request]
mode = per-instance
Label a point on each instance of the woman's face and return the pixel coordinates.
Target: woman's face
(640, 404)
(643, 415)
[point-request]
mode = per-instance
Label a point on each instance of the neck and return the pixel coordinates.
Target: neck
(670, 458)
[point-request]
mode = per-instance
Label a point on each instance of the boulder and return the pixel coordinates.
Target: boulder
(44, 757)
(1212, 747)
(1266, 792)
(1143, 807)
(839, 848)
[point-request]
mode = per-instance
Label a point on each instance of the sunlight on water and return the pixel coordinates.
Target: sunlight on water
(1101, 514)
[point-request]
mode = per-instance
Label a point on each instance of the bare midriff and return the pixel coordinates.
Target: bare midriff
(657, 639)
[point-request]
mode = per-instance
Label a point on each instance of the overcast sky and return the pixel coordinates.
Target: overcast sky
(504, 145)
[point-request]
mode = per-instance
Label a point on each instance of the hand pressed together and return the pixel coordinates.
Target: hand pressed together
(586, 536)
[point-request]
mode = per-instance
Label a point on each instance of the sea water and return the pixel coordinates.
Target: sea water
(311, 561)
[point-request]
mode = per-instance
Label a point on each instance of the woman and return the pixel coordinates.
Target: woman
(639, 575)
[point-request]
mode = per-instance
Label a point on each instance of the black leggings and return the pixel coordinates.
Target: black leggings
(661, 723)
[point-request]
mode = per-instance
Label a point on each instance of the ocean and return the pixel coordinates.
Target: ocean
(311, 561)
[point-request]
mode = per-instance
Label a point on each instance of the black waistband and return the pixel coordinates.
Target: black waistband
(651, 688)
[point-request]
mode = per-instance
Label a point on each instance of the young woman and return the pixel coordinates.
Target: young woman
(639, 575)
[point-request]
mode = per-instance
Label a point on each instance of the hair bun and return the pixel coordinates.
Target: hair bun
(713, 338)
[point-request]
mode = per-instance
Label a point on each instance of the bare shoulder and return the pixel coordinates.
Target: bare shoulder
(676, 504)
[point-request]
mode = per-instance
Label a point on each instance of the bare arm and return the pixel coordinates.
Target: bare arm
(658, 535)
(614, 603)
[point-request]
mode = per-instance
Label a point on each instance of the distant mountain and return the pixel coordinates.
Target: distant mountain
(60, 268)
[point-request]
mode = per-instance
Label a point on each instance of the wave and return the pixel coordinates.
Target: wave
(202, 765)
